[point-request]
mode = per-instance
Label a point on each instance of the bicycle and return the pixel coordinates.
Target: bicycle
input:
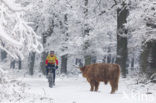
(50, 77)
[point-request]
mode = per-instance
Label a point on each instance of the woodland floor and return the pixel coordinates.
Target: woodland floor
(76, 90)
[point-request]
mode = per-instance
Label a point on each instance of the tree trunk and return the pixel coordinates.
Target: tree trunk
(3, 55)
(132, 62)
(64, 60)
(79, 62)
(32, 59)
(148, 58)
(19, 64)
(31, 63)
(89, 59)
(12, 64)
(122, 50)
(93, 59)
(42, 64)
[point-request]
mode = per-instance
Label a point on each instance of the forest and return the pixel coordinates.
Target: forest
(81, 32)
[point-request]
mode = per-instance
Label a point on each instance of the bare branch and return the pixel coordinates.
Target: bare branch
(104, 11)
(115, 3)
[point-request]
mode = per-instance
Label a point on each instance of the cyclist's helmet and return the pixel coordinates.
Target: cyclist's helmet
(52, 52)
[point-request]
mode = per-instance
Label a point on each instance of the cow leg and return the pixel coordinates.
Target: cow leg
(116, 86)
(92, 87)
(105, 82)
(92, 84)
(96, 86)
(113, 88)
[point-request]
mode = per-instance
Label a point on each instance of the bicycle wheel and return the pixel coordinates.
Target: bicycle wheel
(50, 80)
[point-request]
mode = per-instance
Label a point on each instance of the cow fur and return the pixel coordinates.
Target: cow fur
(101, 72)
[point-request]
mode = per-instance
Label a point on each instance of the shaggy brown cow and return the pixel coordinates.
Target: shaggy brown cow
(102, 72)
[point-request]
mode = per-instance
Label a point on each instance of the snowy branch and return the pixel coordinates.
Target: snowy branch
(12, 6)
(19, 38)
(115, 3)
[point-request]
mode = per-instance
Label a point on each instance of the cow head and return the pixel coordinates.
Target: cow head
(84, 71)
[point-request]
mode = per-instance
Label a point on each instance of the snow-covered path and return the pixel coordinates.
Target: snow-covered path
(76, 90)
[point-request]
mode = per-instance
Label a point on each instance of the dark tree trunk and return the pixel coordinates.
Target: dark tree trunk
(42, 64)
(122, 50)
(19, 64)
(79, 62)
(3, 55)
(31, 63)
(32, 59)
(44, 54)
(93, 59)
(148, 55)
(109, 59)
(104, 59)
(64, 60)
(89, 59)
(132, 62)
(12, 64)
(109, 55)
(148, 58)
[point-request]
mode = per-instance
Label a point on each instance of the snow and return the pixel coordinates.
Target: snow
(19, 87)
(76, 90)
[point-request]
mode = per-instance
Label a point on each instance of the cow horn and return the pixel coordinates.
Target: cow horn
(76, 66)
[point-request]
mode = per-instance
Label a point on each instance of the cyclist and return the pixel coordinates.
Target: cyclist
(52, 63)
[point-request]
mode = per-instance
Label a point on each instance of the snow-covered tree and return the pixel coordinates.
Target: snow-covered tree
(141, 25)
(17, 36)
(17, 39)
(62, 23)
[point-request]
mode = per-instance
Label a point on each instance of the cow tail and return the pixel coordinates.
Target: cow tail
(116, 79)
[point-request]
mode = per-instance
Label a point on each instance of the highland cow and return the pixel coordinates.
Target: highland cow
(101, 72)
